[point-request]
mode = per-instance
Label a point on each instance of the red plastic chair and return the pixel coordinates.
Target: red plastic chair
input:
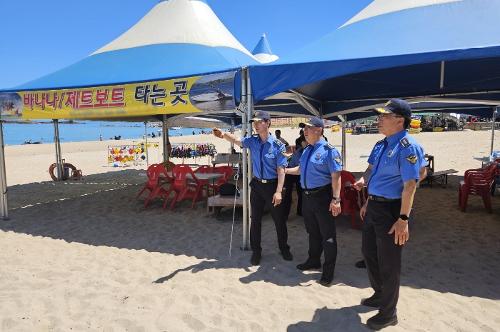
(204, 169)
(158, 177)
(477, 182)
(185, 185)
(227, 172)
(351, 200)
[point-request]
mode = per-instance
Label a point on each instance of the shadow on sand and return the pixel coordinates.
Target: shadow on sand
(102, 211)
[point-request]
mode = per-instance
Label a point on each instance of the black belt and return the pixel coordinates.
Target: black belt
(313, 191)
(382, 199)
(265, 180)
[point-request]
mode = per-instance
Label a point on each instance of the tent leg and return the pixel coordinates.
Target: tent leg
(146, 142)
(493, 121)
(57, 142)
(164, 133)
(231, 130)
(344, 145)
(249, 133)
(244, 152)
(4, 209)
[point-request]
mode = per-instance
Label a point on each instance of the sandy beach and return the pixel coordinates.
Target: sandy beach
(86, 255)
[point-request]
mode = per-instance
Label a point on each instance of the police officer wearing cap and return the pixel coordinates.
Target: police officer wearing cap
(319, 169)
(268, 165)
(392, 176)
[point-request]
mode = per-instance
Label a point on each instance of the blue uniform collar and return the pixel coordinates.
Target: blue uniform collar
(396, 137)
(318, 143)
(269, 140)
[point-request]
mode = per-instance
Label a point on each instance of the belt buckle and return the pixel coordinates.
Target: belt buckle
(263, 181)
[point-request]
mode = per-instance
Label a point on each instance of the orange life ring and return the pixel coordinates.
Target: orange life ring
(65, 165)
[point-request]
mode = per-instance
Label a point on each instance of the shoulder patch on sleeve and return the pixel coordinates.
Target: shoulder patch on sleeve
(412, 158)
(278, 143)
(404, 142)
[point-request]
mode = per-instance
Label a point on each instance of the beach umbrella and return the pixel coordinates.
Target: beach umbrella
(262, 51)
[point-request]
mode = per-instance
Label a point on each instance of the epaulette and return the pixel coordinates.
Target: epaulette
(329, 147)
(404, 142)
(380, 142)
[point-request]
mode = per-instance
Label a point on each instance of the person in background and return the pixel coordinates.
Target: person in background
(292, 180)
(299, 139)
(277, 133)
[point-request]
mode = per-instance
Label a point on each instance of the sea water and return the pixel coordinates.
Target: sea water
(19, 133)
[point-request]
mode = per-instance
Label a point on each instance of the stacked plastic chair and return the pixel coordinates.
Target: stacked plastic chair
(478, 182)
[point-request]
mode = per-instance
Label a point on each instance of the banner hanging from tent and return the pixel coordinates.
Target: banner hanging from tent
(213, 92)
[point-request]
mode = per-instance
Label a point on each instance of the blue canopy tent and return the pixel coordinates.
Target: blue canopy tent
(445, 49)
(151, 50)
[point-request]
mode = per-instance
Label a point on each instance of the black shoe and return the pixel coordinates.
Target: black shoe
(255, 260)
(287, 255)
(378, 322)
(308, 265)
(325, 281)
(372, 301)
(360, 264)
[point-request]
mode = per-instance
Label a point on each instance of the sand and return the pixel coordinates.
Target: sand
(87, 256)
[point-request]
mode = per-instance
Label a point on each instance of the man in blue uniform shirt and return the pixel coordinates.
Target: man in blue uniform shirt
(392, 175)
(268, 165)
(319, 169)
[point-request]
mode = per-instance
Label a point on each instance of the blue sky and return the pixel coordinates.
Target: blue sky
(38, 37)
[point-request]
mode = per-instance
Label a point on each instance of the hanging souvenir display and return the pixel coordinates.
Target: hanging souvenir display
(192, 150)
(126, 155)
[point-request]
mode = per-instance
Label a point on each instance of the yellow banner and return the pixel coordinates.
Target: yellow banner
(183, 95)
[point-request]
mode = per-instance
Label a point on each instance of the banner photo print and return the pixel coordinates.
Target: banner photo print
(213, 92)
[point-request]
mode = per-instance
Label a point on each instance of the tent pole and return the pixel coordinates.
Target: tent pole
(249, 158)
(57, 142)
(441, 81)
(246, 223)
(4, 209)
(249, 133)
(146, 142)
(231, 130)
(495, 111)
(164, 134)
(344, 143)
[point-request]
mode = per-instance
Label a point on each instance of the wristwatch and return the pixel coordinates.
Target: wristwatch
(403, 217)
(336, 200)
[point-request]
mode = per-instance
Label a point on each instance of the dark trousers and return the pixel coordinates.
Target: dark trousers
(320, 226)
(382, 255)
(290, 182)
(261, 197)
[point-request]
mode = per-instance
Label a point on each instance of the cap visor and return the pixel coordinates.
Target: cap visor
(381, 110)
(255, 119)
